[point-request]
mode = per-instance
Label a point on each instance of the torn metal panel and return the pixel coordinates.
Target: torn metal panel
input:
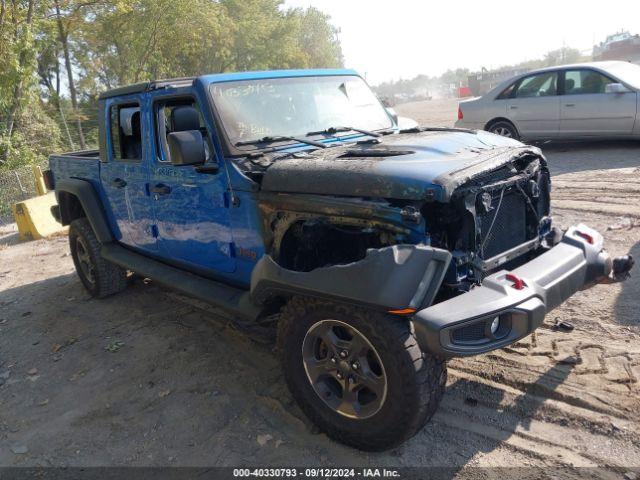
(393, 277)
(280, 211)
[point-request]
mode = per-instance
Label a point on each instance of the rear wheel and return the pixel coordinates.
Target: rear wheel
(99, 277)
(504, 129)
(359, 375)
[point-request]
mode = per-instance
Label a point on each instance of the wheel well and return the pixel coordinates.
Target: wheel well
(500, 119)
(70, 207)
(314, 243)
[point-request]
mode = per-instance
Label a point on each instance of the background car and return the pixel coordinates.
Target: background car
(588, 100)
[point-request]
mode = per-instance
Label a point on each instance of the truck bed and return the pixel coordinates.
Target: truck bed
(83, 164)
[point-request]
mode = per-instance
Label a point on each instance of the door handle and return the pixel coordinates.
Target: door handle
(513, 107)
(160, 189)
(118, 183)
(569, 104)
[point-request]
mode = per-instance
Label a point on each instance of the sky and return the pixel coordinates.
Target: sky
(392, 39)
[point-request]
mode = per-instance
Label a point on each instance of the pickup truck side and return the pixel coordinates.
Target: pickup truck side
(294, 197)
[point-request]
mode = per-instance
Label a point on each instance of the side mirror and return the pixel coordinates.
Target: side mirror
(186, 148)
(615, 88)
(210, 168)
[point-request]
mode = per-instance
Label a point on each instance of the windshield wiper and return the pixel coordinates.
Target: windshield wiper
(334, 130)
(280, 138)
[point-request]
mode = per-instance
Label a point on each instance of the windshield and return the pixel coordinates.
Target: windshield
(627, 72)
(294, 106)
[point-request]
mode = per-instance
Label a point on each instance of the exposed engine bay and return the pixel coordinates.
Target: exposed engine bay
(493, 219)
(490, 211)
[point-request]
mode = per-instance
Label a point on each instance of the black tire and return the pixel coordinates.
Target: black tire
(504, 128)
(415, 380)
(100, 277)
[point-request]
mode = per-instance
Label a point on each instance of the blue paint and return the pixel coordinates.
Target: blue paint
(236, 76)
(211, 223)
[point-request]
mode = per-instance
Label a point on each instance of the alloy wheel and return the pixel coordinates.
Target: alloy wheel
(502, 131)
(84, 259)
(344, 369)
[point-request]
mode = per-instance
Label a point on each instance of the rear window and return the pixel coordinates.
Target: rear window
(126, 138)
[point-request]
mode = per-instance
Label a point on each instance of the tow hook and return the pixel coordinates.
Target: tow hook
(622, 268)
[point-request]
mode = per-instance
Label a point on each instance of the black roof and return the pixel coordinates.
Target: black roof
(147, 86)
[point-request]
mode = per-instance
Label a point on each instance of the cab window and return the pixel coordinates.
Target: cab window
(540, 85)
(126, 138)
(176, 115)
(584, 81)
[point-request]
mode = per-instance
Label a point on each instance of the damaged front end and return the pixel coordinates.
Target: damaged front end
(485, 215)
(472, 259)
(511, 304)
(367, 252)
(494, 220)
(488, 221)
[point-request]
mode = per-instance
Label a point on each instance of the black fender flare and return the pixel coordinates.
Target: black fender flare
(390, 278)
(90, 202)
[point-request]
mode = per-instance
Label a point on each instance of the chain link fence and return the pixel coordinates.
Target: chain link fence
(15, 186)
(35, 138)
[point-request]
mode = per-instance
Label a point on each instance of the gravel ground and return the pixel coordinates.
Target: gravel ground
(152, 378)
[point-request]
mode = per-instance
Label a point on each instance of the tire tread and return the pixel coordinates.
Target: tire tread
(423, 379)
(110, 278)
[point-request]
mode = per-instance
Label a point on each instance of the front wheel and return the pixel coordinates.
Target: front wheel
(358, 375)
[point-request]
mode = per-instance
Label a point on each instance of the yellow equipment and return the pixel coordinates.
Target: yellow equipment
(33, 216)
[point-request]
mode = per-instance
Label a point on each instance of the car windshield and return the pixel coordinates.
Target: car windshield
(252, 110)
(627, 72)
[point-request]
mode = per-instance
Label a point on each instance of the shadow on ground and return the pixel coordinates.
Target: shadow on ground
(141, 379)
(627, 308)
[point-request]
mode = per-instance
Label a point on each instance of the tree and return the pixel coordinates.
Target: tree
(135, 40)
(100, 44)
(561, 56)
(319, 40)
(23, 42)
(64, 26)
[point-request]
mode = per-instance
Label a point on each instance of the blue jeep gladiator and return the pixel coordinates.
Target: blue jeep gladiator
(294, 199)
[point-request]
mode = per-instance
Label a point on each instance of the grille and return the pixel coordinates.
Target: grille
(509, 227)
(475, 332)
(470, 333)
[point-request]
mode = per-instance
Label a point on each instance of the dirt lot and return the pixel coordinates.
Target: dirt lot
(149, 377)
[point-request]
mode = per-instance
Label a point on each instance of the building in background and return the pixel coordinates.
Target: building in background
(619, 46)
(483, 81)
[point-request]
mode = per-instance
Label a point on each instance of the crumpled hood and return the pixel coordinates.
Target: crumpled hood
(436, 160)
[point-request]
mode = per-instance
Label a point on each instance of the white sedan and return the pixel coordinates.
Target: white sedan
(588, 100)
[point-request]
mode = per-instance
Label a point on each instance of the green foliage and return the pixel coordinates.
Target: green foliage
(113, 43)
(132, 41)
(36, 136)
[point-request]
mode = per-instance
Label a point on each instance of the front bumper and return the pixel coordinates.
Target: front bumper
(463, 325)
